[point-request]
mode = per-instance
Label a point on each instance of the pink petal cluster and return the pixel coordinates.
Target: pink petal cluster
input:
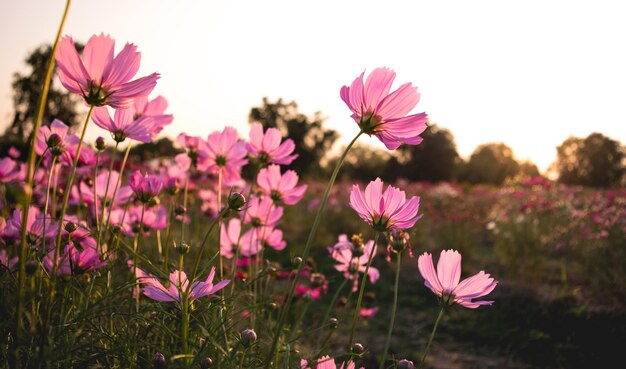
(146, 187)
(350, 262)
(179, 283)
(384, 211)
(280, 187)
(223, 150)
(155, 109)
(251, 242)
(99, 77)
(267, 147)
(9, 170)
(262, 212)
(124, 124)
(327, 362)
(444, 282)
(384, 114)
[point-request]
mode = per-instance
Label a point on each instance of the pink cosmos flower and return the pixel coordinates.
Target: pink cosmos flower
(267, 147)
(9, 170)
(223, 150)
(352, 260)
(444, 282)
(255, 238)
(58, 128)
(262, 212)
(155, 109)
(384, 211)
(34, 226)
(123, 193)
(384, 114)
(14, 153)
(74, 260)
(280, 187)
(124, 124)
(229, 237)
(146, 187)
(7, 263)
(178, 282)
(99, 77)
(327, 362)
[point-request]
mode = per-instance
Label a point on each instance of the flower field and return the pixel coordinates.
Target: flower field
(223, 257)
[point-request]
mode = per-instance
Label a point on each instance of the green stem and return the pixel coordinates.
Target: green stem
(432, 337)
(332, 304)
(361, 292)
(393, 309)
(66, 197)
(166, 249)
(206, 237)
(29, 183)
(138, 240)
(243, 357)
(185, 323)
(117, 186)
(106, 193)
(307, 248)
(182, 224)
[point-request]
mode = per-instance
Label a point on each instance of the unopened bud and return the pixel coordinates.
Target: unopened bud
(317, 280)
(31, 267)
(248, 337)
(158, 361)
(236, 201)
(53, 140)
(358, 349)
(206, 363)
(100, 143)
(296, 261)
(180, 210)
(406, 364)
(70, 227)
(182, 249)
(333, 323)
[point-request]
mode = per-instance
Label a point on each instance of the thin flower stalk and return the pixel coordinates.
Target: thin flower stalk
(307, 248)
(432, 337)
(29, 184)
(393, 309)
(117, 186)
(355, 317)
(66, 197)
(106, 192)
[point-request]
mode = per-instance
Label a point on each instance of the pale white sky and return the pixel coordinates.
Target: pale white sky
(527, 73)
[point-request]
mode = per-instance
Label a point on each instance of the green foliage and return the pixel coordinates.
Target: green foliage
(26, 93)
(490, 163)
(596, 161)
(433, 160)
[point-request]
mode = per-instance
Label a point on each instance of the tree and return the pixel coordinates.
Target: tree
(312, 141)
(596, 161)
(26, 92)
(490, 163)
(434, 160)
(364, 163)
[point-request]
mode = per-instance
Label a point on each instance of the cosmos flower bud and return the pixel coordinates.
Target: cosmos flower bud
(171, 186)
(53, 140)
(182, 249)
(70, 227)
(158, 361)
(180, 210)
(317, 280)
(295, 262)
(333, 323)
(406, 364)
(358, 349)
(248, 337)
(31, 267)
(100, 143)
(236, 201)
(206, 363)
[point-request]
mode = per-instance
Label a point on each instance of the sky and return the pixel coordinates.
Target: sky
(526, 73)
